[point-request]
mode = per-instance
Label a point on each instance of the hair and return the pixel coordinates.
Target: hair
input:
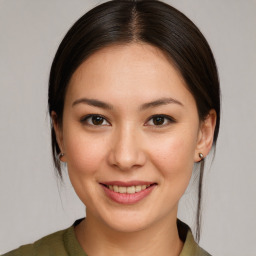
(128, 21)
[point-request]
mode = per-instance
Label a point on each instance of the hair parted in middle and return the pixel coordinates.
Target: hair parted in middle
(138, 21)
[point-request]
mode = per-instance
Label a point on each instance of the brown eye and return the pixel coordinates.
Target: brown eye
(97, 120)
(158, 120)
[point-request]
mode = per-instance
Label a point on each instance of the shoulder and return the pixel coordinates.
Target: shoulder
(50, 245)
(193, 248)
(190, 248)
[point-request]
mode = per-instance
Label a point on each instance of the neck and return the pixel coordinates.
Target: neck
(159, 239)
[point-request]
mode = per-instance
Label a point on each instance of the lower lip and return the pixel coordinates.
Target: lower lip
(128, 198)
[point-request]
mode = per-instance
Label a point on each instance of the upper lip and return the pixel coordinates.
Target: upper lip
(127, 183)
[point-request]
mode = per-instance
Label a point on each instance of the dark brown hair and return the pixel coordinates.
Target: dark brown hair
(152, 22)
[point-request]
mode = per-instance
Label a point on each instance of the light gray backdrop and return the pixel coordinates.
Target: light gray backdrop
(33, 203)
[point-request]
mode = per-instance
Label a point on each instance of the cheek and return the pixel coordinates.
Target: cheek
(174, 162)
(85, 154)
(174, 156)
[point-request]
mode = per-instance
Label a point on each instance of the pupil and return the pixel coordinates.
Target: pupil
(97, 120)
(158, 120)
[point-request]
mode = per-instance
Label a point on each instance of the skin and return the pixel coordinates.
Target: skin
(128, 145)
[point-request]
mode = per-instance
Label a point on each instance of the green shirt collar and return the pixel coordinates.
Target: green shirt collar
(190, 247)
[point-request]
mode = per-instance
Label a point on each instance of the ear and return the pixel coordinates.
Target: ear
(58, 132)
(205, 135)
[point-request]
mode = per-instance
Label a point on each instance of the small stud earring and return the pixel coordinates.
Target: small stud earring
(201, 156)
(60, 155)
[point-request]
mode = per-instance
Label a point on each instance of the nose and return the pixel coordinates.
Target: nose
(127, 150)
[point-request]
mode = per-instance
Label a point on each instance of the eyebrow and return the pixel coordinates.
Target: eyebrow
(93, 102)
(160, 102)
(104, 105)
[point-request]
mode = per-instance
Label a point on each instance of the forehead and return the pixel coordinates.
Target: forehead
(128, 71)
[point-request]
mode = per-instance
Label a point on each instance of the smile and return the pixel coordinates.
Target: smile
(127, 193)
(127, 190)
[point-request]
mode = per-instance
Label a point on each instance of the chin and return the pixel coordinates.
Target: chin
(128, 220)
(129, 225)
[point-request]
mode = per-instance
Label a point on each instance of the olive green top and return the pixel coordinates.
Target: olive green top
(64, 243)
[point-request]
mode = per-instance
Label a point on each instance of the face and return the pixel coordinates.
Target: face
(131, 135)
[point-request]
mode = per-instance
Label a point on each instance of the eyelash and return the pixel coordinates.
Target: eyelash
(167, 118)
(85, 119)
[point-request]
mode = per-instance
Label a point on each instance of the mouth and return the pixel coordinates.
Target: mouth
(128, 192)
(128, 189)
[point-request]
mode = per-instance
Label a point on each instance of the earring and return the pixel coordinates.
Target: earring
(60, 155)
(201, 156)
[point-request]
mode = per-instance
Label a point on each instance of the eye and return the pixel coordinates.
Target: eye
(160, 120)
(95, 120)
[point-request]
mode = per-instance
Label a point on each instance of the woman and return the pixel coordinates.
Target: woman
(135, 105)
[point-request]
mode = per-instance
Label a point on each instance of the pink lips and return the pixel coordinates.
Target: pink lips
(125, 198)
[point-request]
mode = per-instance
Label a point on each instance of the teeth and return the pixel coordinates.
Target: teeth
(127, 190)
(121, 189)
(137, 188)
(130, 190)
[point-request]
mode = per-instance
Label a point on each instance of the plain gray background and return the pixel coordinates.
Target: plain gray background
(33, 203)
